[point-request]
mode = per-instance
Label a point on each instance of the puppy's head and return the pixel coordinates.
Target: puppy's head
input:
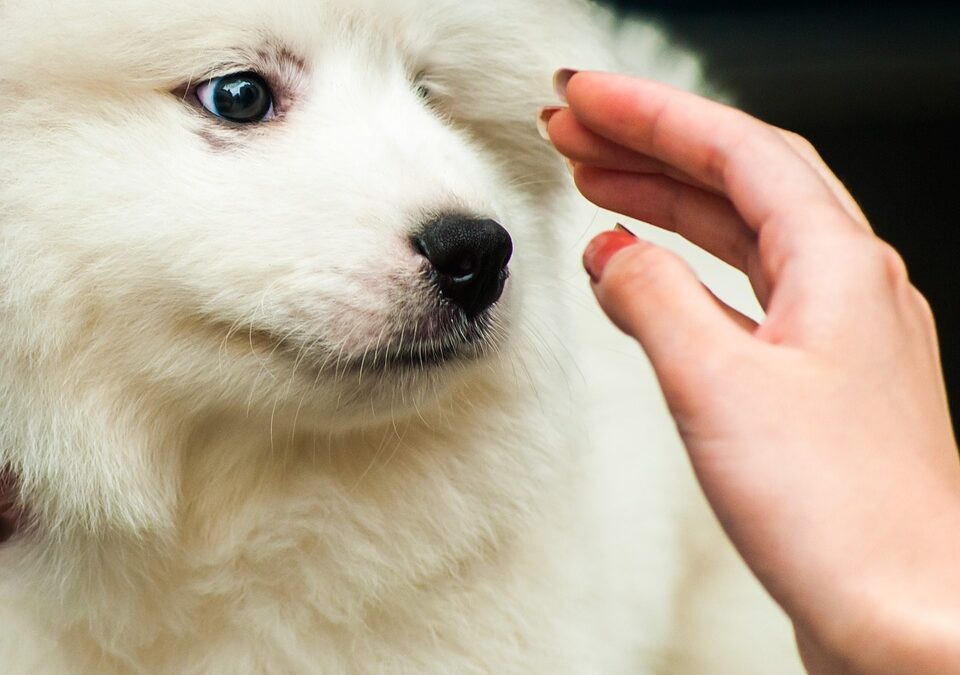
(317, 213)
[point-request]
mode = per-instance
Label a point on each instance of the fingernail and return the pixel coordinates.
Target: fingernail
(561, 79)
(571, 167)
(620, 227)
(543, 119)
(603, 247)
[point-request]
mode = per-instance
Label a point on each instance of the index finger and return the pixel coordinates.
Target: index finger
(747, 160)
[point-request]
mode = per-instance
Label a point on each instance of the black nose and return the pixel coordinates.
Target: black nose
(470, 258)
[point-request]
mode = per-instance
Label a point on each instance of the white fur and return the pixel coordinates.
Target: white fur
(209, 491)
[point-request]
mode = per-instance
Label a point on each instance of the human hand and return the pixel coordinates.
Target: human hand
(821, 437)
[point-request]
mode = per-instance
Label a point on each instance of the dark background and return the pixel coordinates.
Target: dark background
(876, 87)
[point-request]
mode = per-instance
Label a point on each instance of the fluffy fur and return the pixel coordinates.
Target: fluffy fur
(218, 471)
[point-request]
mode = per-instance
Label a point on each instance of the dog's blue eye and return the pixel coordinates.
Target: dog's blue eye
(244, 98)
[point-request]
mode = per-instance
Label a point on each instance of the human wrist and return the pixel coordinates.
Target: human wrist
(893, 623)
(906, 645)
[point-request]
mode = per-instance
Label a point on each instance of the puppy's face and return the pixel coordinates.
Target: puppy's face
(320, 210)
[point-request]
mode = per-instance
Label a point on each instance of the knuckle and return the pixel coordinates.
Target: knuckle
(715, 162)
(878, 262)
(801, 143)
(892, 264)
(923, 307)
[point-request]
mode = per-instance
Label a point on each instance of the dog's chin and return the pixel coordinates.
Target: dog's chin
(412, 376)
(410, 367)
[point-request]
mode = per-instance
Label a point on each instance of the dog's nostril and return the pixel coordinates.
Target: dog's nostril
(469, 257)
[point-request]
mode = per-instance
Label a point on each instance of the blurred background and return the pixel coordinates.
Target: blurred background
(876, 88)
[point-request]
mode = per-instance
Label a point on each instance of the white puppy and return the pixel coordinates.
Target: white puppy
(297, 370)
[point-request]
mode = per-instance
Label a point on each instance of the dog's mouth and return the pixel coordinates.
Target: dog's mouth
(441, 337)
(423, 357)
(445, 338)
(469, 341)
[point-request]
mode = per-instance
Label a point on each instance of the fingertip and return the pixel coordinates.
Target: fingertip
(603, 247)
(655, 296)
(608, 89)
(635, 278)
(642, 265)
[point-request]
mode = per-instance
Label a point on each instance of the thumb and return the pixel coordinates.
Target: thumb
(654, 296)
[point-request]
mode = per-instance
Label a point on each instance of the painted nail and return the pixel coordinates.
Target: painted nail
(620, 227)
(543, 119)
(603, 247)
(561, 79)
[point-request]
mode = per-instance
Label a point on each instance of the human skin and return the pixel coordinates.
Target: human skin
(821, 436)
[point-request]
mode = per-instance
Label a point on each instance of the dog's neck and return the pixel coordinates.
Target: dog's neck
(338, 529)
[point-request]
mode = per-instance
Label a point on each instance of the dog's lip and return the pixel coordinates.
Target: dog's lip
(431, 350)
(433, 341)
(424, 358)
